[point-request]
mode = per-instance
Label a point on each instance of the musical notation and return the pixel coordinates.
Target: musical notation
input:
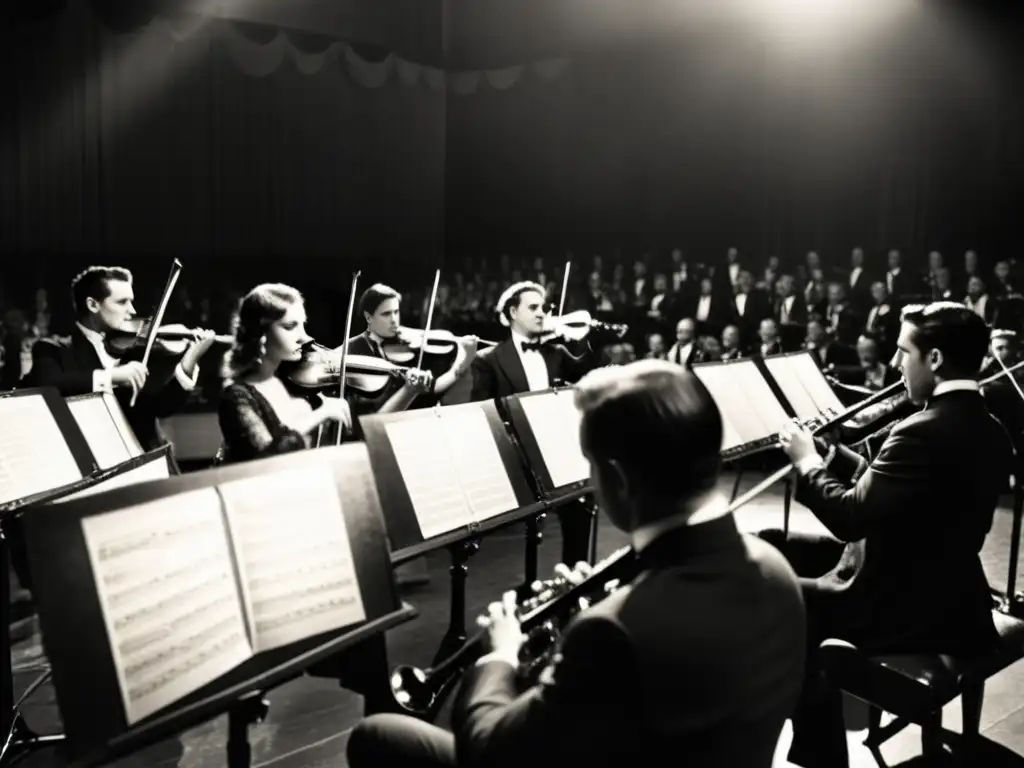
(294, 556)
(165, 580)
(478, 463)
(817, 386)
(555, 423)
(430, 476)
(793, 387)
(34, 456)
(101, 433)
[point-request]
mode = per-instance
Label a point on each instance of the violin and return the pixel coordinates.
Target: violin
(320, 369)
(576, 326)
(407, 344)
(172, 339)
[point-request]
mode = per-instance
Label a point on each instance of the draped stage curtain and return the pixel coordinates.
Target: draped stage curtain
(217, 139)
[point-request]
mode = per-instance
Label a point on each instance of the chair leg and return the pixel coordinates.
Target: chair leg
(972, 697)
(931, 736)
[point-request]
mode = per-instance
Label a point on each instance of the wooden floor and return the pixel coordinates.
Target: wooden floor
(310, 719)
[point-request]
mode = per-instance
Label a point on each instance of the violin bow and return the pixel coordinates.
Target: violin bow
(344, 346)
(1009, 374)
(430, 318)
(565, 288)
(161, 309)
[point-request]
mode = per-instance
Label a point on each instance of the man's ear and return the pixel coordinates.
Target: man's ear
(92, 305)
(935, 359)
(367, 317)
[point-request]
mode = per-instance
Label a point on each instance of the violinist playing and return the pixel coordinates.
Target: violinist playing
(261, 413)
(902, 573)
(385, 338)
(532, 358)
(103, 300)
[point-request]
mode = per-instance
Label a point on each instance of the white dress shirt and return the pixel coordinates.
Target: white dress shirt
(533, 364)
(741, 304)
(855, 275)
(101, 378)
(703, 309)
(977, 307)
(786, 311)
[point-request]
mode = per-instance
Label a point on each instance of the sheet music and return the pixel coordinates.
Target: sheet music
(429, 474)
(151, 470)
(166, 585)
(818, 388)
(121, 422)
(758, 393)
(294, 556)
(104, 439)
(485, 481)
(730, 435)
(792, 387)
(34, 456)
(735, 405)
(555, 422)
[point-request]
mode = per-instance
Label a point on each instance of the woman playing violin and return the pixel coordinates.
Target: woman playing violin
(444, 363)
(260, 413)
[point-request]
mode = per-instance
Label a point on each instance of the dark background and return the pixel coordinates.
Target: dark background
(776, 127)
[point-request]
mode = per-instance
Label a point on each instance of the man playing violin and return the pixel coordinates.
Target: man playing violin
(104, 300)
(420, 388)
(902, 573)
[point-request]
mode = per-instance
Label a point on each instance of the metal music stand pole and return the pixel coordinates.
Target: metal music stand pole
(18, 739)
(1014, 605)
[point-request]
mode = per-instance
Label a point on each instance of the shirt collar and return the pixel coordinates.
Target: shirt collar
(93, 337)
(518, 339)
(713, 508)
(956, 385)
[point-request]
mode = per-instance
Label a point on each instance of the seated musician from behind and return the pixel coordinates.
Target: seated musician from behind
(261, 413)
(381, 308)
(699, 657)
(522, 362)
(104, 300)
(909, 578)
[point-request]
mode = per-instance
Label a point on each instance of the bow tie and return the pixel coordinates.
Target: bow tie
(527, 346)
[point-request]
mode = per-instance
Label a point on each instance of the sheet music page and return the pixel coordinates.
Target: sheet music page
(555, 422)
(792, 387)
(759, 394)
(121, 422)
(151, 470)
(428, 471)
(485, 482)
(814, 381)
(166, 586)
(294, 556)
(735, 405)
(100, 432)
(34, 456)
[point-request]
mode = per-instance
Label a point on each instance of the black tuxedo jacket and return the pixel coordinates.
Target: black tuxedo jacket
(69, 367)
(915, 519)
(700, 658)
(500, 373)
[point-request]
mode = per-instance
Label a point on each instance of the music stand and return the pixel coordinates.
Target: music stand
(545, 425)
(235, 529)
(106, 430)
(753, 411)
(804, 385)
(446, 476)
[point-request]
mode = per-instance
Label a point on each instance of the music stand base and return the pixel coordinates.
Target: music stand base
(21, 741)
(246, 712)
(456, 635)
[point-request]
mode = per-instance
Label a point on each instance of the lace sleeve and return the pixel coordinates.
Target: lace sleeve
(249, 432)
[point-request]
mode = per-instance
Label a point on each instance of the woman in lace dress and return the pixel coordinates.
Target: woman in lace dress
(260, 413)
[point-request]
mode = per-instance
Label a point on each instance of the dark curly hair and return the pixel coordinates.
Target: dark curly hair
(263, 306)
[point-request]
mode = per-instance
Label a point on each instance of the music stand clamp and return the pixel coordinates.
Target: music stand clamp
(460, 552)
(248, 711)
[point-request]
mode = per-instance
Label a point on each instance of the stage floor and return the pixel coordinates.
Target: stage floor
(310, 718)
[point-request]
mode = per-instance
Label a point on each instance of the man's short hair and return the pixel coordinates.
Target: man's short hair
(954, 330)
(510, 299)
(1003, 333)
(658, 421)
(94, 283)
(376, 295)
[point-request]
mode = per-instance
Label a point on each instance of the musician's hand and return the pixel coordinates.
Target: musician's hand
(202, 340)
(131, 374)
(796, 442)
(468, 345)
(506, 636)
(418, 381)
(336, 409)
